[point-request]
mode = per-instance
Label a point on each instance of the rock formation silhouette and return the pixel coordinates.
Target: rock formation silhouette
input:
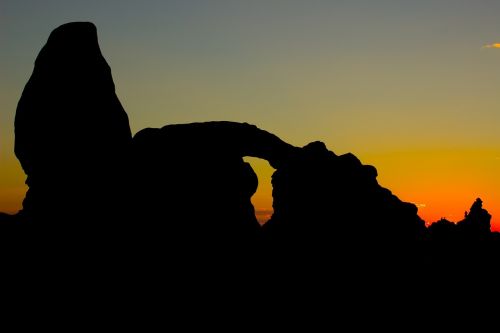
(186, 188)
(72, 135)
(191, 181)
(453, 249)
(474, 227)
(332, 207)
(443, 230)
(476, 224)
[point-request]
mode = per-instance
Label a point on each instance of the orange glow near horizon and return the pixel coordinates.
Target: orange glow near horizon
(434, 189)
(13, 189)
(434, 186)
(437, 184)
(442, 183)
(262, 200)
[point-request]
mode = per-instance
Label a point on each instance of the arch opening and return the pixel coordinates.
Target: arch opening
(262, 200)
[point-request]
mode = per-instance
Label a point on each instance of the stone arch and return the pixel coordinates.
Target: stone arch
(194, 174)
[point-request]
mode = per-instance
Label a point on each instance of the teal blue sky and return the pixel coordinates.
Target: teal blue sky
(372, 77)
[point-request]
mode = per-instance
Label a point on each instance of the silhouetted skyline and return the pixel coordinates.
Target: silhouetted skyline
(406, 86)
(176, 200)
(185, 190)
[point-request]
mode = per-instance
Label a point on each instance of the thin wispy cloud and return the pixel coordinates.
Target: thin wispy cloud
(492, 46)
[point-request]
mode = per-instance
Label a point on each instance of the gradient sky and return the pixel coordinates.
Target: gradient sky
(411, 87)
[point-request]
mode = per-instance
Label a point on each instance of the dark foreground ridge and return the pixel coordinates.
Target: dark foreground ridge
(181, 193)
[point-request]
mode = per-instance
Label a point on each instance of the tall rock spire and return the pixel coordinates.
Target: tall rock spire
(72, 133)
